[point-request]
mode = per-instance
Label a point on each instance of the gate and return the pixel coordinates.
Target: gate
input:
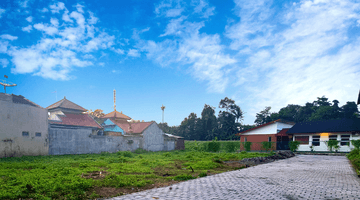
(282, 143)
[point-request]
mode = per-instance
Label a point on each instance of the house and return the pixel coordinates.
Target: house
(68, 124)
(24, 127)
(116, 123)
(316, 133)
(274, 131)
(174, 142)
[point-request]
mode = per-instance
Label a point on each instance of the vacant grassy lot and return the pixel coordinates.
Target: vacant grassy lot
(201, 145)
(107, 174)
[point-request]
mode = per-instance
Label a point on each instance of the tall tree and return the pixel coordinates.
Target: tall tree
(230, 106)
(349, 110)
(289, 112)
(208, 123)
(263, 116)
(305, 112)
(189, 127)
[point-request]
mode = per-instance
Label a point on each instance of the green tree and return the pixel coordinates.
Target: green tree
(263, 116)
(289, 112)
(189, 127)
(305, 112)
(349, 110)
(208, 123)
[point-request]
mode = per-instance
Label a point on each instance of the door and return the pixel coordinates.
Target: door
(282, 143)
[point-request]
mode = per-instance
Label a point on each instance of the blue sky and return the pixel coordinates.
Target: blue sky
(182, 54)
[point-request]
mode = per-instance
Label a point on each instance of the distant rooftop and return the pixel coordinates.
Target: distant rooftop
(17, 99)
(64, 103)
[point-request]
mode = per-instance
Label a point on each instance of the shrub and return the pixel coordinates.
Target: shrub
(140, 151)
(294, 145)
(213, 146)
(356, 144)
(202, 174)
(247, 146)
(125, 154)
(332, 144)
(266, 145)
(231, 146)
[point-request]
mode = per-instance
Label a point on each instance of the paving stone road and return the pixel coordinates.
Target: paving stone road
(300, 177)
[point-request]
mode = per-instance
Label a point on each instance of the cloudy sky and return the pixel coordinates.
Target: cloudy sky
(182, 54)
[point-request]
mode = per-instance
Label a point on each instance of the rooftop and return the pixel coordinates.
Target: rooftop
(64, 103)
(335, 125)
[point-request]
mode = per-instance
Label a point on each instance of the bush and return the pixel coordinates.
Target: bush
(294, 145)
(213, 146)
(247, 146)
(356, 144)
(266, 145)
(231, 146)
(125, 154)
(332, 144)
(354, 157)
(202, 174)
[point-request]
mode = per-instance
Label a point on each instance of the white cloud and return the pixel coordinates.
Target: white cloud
(44, 10)
(79, 8)
(133, 53)
(202, 7)
(313, 54)
(4, 62)
(102, 64)
(24, 3)
(203, 54)
(2, 11)
(169, 8)
(50, 30)
(116, 71)
(8, 37)
(56, 8)
(92, 19)
(118, 51)
(61, 47)
(27, 28)
(29, 19)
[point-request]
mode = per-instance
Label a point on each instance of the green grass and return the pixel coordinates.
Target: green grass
(354, 157)
(77, 176)
(201, 145)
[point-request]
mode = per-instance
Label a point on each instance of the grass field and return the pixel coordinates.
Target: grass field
(107, 174)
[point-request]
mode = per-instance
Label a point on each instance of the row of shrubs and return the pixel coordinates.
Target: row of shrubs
(227, 146)
(354, 156)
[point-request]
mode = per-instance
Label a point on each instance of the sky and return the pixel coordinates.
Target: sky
(180, 54)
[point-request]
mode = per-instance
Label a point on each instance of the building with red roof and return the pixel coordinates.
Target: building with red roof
(274, 132)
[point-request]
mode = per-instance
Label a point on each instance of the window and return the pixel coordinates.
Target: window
(345, 139)
(332, 137)
(25, 133)
(37, 134)
(245, 139)
(316, 140)
(302, 139)
(269, 139)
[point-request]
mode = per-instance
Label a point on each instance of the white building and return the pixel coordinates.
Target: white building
(23, 127)
(316, 134)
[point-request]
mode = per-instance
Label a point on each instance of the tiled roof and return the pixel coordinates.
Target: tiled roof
(22, 100)
(64, 103)
(116, 114)
(278, 120)
(335, 125)
(75, 119)
(132, 127)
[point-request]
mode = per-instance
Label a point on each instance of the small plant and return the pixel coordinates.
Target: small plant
(213, 146)
(140, 151)
(266, 145)
(294, 145)
(125, 154)
(356, 144)
(247, 146)
(311, 148)
(332, 144)
(202, 174)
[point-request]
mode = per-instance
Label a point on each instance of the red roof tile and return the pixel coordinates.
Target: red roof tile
(128, 127)
(74, 119)
(283, 132)
(64, 103)
(116, 114)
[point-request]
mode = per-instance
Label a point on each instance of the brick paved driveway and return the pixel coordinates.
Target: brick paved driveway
(300, 177)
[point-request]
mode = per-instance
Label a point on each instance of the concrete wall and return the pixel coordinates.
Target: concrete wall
(256, 141)
(16, 118)
(153, 138)
(269, 129)
(324, 137)
(81, 141)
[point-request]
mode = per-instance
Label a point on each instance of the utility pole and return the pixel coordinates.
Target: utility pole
(163, 108)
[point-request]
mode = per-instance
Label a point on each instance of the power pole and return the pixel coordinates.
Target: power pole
(163, 108)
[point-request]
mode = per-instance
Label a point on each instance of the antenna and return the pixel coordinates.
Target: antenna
(55, 94)
(163, 108)
(114, 99)
(6, 83)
